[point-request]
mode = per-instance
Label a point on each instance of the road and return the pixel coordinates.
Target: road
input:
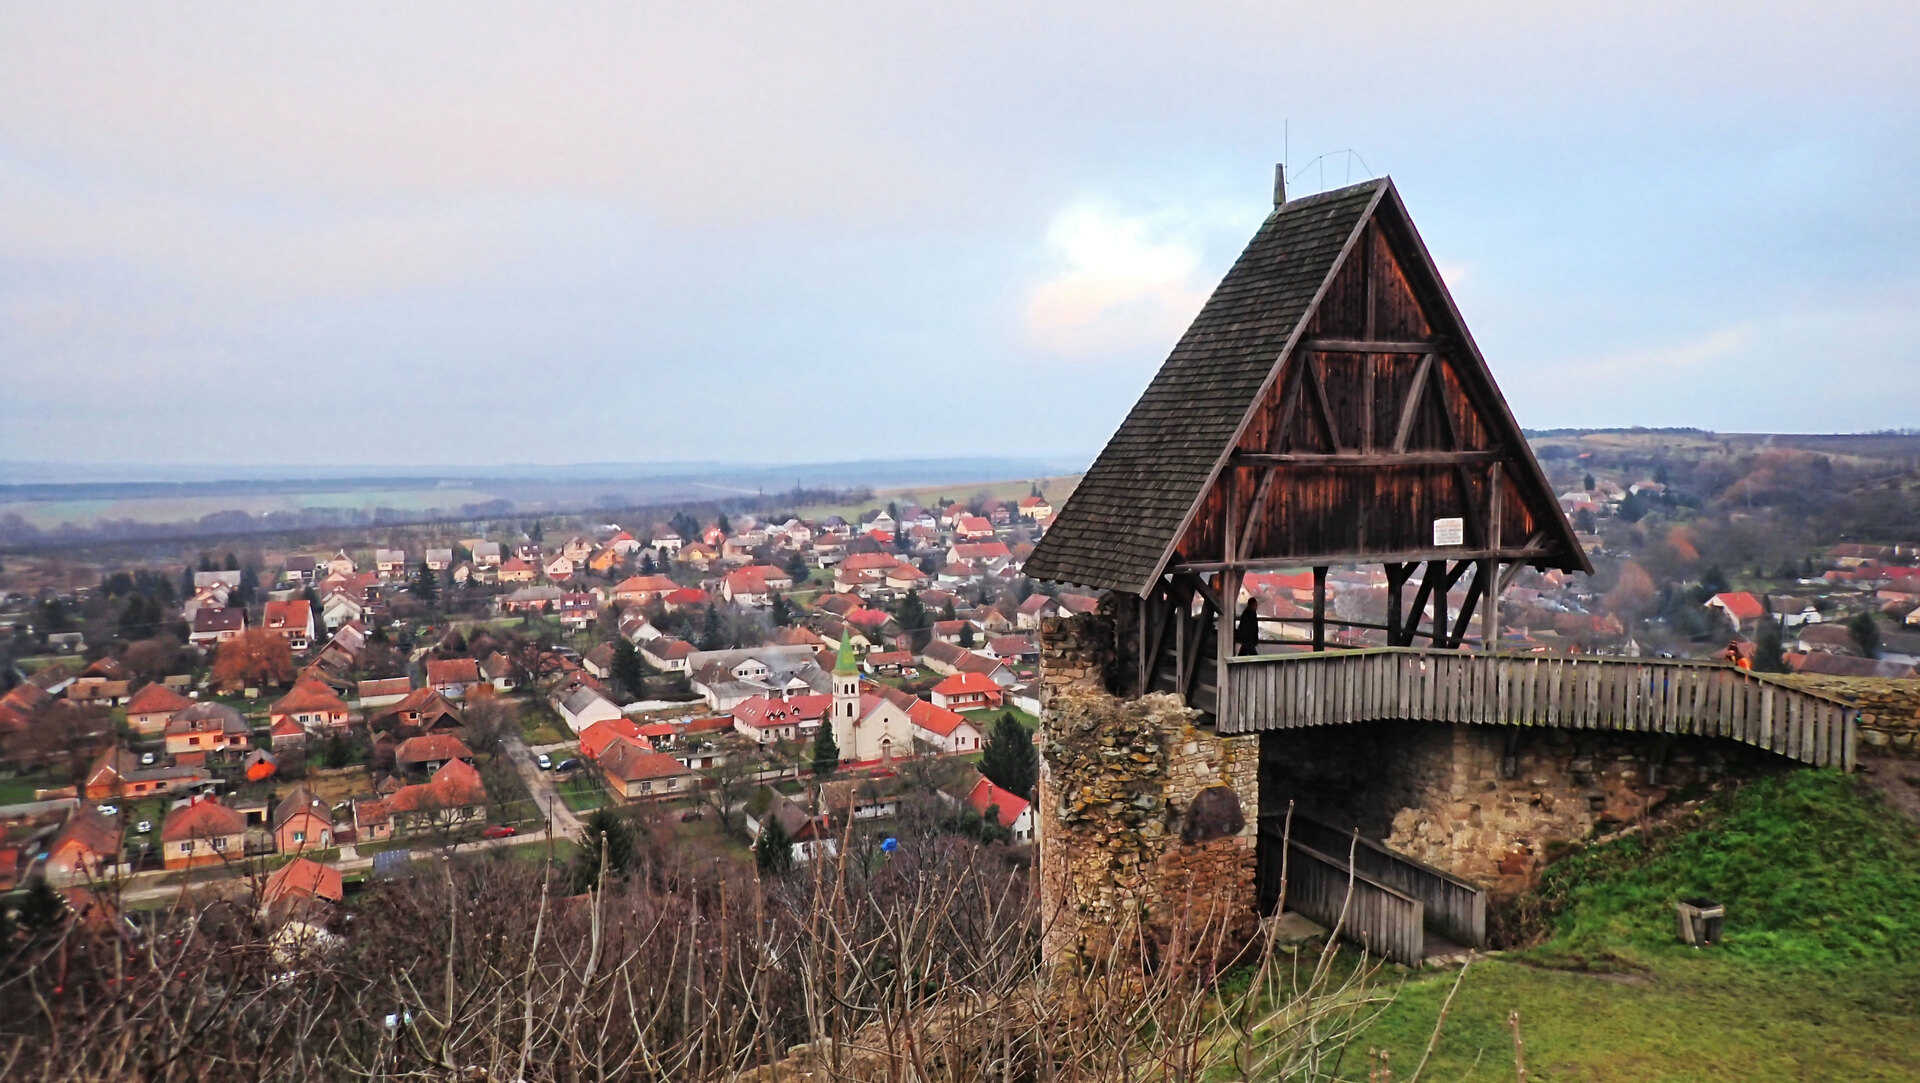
(540, 785)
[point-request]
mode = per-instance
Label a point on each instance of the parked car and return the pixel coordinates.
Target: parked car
(500, 831)
(567, 765)
(691, 814)
(146, 759)
(107, 810)
(143, 826)
(545, 761)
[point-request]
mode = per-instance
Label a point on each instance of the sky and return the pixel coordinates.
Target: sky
(482, 233)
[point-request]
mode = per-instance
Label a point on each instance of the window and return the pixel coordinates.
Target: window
(220, 842)
(299, 836)
(186, 847)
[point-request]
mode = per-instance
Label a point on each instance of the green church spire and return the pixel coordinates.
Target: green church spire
(845, 663)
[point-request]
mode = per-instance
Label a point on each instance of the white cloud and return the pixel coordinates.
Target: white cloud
(1120, 283)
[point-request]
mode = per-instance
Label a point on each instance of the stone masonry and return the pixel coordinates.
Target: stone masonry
(1146, 821)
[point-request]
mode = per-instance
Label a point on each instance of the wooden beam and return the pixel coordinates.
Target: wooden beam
(1411, 408)
(1368, 345)
(1320, 607)
(1396, 582)
(1254, 512)
(1324, 405)
(1362, 458)
(1199, 567)
(1465, 619)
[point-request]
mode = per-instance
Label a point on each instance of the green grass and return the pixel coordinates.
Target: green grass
(539, 725)
(582, 792)
(1818, 975)
(19, 789)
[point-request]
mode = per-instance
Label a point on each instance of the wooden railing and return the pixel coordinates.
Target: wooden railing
(1705, 699)
(1454, 908)
(1355, 906)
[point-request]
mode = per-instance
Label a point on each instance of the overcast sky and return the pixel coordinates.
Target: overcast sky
(796, 232)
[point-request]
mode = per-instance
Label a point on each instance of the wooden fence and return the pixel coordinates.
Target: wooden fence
(1704, 699)
(1453, 907)
(1381, 919)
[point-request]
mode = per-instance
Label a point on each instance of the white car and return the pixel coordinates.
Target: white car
(143, 827)
(146, 759)
(107, 810)
(545, 761)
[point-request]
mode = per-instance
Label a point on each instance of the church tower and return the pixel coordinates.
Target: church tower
(846, 700)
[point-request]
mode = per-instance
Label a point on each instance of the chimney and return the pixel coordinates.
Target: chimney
(1279, 183)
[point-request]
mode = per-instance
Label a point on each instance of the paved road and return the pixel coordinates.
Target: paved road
(540, 784)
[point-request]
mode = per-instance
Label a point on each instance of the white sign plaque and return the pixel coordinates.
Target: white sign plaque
(1449, 532)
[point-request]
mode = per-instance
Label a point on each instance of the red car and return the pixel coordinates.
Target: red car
(500, 831)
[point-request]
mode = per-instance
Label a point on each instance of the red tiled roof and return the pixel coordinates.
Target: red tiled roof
(685, 596)
(760, 712)
(965, 683)
(431, 747)
(303, 878)
(290, 613)
(1006, 803)
(1741, 604)
(643, 584)
(455, 785)
(202, 817)
(155, 698)
(308, 695)
(595, 738)
(452, 671)
(630, 761)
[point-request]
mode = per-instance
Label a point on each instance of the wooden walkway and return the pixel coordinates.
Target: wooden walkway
(1703, 699)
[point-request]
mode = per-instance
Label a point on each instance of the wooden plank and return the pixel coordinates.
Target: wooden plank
(1355, 345)
(1352, 459)
(1410, 409)
(1320, 401)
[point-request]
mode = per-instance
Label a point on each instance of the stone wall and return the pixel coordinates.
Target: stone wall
(1146, 821)
(1889, 710)
(1489, 803)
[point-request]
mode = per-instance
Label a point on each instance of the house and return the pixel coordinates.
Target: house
(486, 554)
(1021, 649)
(516, 571)
(1035, 508)
(453, 796)
(499, 671)
(287, 735)
(531, 599)
(301, 821)
(297, 570)
(302, 887)
(643, 589)
(726, 677)
(667, 653)
(311, 703)
(117, 772)
(747, 588)
(635, 772)
(383, 690)
(87, 846)
(429, 752)
(451, 677)
(293, 619)
(439, 560)
(213, 626)
(768, 719)
(1831, 638)
(967, 692)
(151, 708)
(605, 562)
(1004, 807)
(943, 657)
(1035, 609)
(946, 730)
(684, 598)
(339, 608)
(582, 706)
(666, 542)
(424, 709)
(599, 661)
(867, 726)
(624, 543)
(205, 728)
(577, 549)
(202, 831)
(1741, 609)
(596, 738)
(390, 563)
(559, 567)
(636, 629)
(972, 528)
(810, 836)
(578, 609)
(340, 564)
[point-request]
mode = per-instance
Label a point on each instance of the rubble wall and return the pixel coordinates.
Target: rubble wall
(1888, 718)
(1146, 820)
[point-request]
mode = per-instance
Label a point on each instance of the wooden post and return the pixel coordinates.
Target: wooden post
(1489, 574)
(1437, 570)
(1320, 607)
(1396, 582)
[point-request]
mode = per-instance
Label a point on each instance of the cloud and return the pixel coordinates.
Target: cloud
(1120, 283)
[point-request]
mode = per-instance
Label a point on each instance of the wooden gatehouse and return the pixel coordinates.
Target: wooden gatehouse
(1328, 406)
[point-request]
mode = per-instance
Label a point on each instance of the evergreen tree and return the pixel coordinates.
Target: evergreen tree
(713, 636)
(912, 615)
(425, 585)
(782, 612)
(1767, 654)
(721, 522)
(1587, 483)
(826, 752)
(1009, 758)
(797, 566)
(536, 532)
(646, 563)
(608, 831)
(249, 588)
(1866, 634)
(1714, 581)
(773, 850)
(628, 671)
(893, 511)
(966, 635)
(233, 563)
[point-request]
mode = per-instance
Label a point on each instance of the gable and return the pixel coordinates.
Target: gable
(1273, 378)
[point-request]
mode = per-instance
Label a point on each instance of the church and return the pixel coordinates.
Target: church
(867, 727)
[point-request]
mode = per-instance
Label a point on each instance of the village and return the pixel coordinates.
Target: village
(755, 683)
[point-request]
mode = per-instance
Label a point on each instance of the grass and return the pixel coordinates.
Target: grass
(539, 725)
(582, 792)
(19, 789)
(1818, 975)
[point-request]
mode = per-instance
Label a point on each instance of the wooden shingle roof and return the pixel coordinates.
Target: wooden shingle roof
(1127, 511)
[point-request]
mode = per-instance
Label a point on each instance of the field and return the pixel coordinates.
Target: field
(1817, 978)
(1056, 490)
